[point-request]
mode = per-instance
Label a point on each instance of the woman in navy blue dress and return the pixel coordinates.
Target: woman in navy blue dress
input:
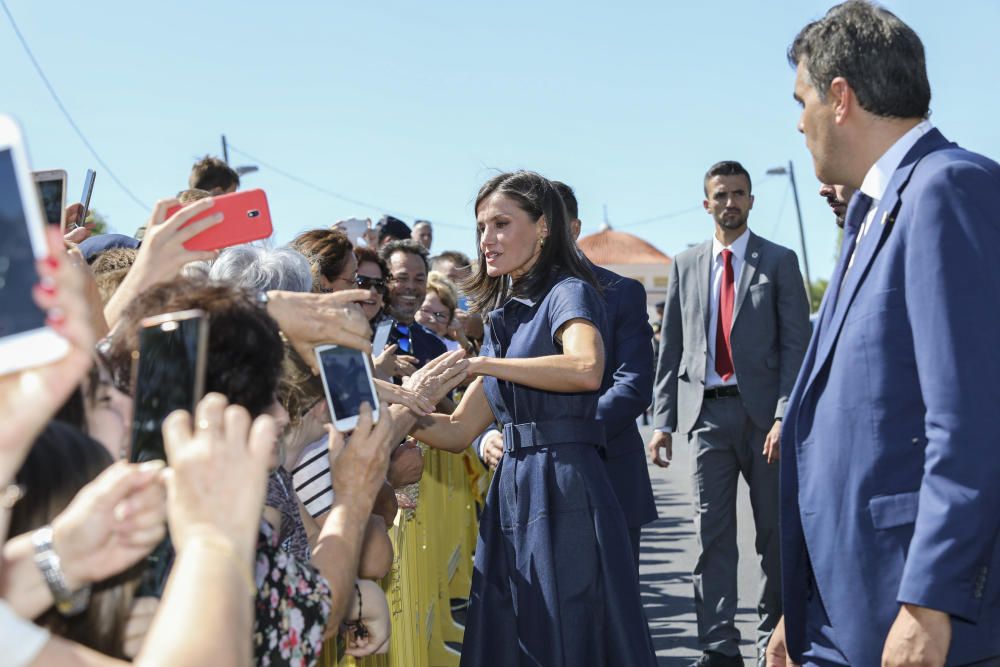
(554, 582)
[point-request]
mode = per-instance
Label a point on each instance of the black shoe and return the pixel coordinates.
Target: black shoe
(715, 659)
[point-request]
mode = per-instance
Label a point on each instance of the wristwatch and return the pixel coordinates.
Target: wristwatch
(68, 603)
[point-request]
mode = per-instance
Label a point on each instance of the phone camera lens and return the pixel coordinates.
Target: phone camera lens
(253, 214)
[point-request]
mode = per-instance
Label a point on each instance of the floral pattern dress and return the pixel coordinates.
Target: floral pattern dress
(292, 607)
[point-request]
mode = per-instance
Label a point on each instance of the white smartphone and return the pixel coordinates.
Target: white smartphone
(355, 229)
(381, 337)
(348, 382)
(25, 340)
(52, 193)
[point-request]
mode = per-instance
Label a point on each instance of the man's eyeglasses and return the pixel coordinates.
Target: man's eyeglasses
(438, 316)
(366, 282)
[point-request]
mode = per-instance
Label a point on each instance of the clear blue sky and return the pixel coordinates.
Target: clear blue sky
(410, 108)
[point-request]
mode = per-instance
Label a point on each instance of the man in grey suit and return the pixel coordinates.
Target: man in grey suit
(734, 332)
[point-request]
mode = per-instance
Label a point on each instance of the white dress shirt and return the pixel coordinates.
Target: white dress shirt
(739, 250)
(877, 179)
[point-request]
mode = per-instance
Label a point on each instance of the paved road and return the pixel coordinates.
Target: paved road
(668, 556)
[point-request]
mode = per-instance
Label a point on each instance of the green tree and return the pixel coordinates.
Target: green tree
(816, 292)
(100, 222)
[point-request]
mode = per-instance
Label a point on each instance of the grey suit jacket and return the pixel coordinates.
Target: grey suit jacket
(769, 335)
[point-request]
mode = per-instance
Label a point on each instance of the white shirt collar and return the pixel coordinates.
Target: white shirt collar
(738, 247)
(877, 178)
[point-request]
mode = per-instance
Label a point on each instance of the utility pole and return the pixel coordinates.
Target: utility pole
(802, 231)
(225, 149)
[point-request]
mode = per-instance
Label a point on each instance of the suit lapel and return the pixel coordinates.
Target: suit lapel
(750, 260)
(865, 252)
(704, 273)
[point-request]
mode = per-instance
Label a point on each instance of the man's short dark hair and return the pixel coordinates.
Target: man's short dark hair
(569, 199)
(210, 172)
(404, 245)
(390, 227)
(727, 168)
(881, 57)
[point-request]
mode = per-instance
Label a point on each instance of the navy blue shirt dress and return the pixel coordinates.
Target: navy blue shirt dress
(554, 583)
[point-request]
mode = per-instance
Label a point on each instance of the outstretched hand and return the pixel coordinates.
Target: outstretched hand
(112, 523)
(308, 320)
(218, 471)
(439, 376)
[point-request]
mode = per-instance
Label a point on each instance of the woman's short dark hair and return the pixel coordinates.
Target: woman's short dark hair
(327, 251)
(881, 57)
(535, 195)
(61, 462)
(244, 344)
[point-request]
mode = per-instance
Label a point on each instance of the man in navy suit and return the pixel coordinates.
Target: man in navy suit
(890, 474)
(628, 387)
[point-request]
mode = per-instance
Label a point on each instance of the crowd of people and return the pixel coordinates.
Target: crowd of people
(866, 439)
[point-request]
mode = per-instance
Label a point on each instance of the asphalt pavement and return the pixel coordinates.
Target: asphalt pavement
(667, 557)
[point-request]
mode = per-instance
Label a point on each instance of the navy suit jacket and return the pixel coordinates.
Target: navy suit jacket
(426, 345)
(626, 393)
(890, 455)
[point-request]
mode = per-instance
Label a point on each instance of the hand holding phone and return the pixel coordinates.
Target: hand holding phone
(245, 217)
(348, 383)
(25, 338)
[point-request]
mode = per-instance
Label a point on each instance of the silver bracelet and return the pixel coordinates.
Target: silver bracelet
(68, 603)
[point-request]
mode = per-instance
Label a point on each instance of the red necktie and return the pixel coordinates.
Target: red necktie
(723, 348)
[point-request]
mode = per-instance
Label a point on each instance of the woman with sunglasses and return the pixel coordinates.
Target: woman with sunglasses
(554, 581)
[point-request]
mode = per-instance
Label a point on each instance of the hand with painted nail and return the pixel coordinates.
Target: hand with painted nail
(29, 398)
(112, 523)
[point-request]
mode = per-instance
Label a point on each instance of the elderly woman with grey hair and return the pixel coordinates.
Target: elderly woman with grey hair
(263, 268)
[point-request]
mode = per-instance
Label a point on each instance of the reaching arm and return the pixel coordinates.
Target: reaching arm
(579, 368)
(456, 431)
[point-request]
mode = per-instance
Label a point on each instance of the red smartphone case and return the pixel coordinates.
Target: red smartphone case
(246, 218)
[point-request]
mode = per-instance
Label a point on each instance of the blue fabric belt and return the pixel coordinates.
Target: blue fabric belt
(553, 432)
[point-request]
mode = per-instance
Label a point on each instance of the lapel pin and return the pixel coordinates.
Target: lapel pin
(754, 255)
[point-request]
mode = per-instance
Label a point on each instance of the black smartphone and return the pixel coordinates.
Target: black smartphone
(169, 375)
(399, 335)
(347, 379)
(88, 190)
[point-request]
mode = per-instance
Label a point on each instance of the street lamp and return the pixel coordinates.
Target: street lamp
(780, 171)
(242, 169)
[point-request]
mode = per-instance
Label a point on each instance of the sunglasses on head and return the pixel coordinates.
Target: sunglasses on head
(365, 282)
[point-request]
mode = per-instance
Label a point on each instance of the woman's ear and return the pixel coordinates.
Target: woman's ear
(543, 230)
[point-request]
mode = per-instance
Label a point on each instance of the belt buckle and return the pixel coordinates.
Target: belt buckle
(516, 436)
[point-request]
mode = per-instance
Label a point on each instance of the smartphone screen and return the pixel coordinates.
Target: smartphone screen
(346, 376)
(170, 376)
(399, 335)
(51, 193)
(381, 337)
(18, 312)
